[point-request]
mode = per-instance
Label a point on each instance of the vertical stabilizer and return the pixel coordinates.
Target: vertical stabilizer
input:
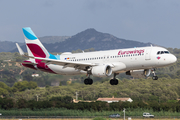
(34, 47)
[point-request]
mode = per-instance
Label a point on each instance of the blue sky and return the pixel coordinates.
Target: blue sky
(155, 21)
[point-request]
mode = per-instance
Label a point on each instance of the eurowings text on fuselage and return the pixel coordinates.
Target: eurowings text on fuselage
(137, 62)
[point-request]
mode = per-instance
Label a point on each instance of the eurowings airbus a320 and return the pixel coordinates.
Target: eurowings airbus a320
(137, 62)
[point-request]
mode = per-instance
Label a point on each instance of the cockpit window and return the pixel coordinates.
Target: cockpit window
(162, 52)
(166, 52)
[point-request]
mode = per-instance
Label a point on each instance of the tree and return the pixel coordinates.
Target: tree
(3, 92)
(27, 77)
(178, 73)
(22, 86)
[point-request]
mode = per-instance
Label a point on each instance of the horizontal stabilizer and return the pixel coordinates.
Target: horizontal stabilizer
(29, 63)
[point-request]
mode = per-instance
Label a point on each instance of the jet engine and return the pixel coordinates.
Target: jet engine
(101, 71)
(139, 73)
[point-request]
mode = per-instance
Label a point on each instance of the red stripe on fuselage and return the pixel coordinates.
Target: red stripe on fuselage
(28, 65)
(43, 67)
(38, 52)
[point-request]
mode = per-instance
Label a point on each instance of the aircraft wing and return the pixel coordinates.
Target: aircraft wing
(77, 65)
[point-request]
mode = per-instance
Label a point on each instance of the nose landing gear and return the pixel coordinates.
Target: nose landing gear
(154, 76)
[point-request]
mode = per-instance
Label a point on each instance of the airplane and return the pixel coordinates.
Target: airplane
(139, 62)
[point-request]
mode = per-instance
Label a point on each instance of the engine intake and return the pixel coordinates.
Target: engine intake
(101, 71)
(139, 73)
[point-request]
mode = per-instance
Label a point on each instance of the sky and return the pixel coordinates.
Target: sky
(155, 21)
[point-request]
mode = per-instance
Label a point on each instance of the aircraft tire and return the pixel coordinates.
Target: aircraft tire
(116, 81)
(88, 81)
(155, 77)
(113, 81)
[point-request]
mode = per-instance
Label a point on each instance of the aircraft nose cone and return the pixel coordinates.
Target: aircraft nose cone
(173, 59)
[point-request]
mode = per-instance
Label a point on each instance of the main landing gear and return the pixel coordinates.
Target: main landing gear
(114, 81)
(154, 76)
(88, 81)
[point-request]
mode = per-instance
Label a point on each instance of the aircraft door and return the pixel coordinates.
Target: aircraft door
(148, 54)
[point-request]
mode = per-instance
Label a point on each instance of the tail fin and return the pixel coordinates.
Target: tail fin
(34, 47)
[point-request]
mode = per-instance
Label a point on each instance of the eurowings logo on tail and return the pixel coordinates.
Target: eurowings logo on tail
(35, 47)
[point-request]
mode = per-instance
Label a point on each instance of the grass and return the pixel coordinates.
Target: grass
(91, 119)
(67, 112)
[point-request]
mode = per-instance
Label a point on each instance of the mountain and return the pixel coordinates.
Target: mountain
(6, 46)
(90, 38)
(53, 39)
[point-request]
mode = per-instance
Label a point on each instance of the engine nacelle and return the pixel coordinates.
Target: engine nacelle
(139, 73)
(101, 71)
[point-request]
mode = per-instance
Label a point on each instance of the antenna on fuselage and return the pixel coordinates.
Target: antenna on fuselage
(151, 45)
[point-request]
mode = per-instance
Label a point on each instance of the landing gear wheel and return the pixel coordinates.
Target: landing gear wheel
(116, 82)
(155, 77)
(113, 81)
(88, 81)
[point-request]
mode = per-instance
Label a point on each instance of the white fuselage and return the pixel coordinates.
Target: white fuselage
(121, 60)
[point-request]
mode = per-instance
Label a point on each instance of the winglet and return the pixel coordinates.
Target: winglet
(19, 49)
